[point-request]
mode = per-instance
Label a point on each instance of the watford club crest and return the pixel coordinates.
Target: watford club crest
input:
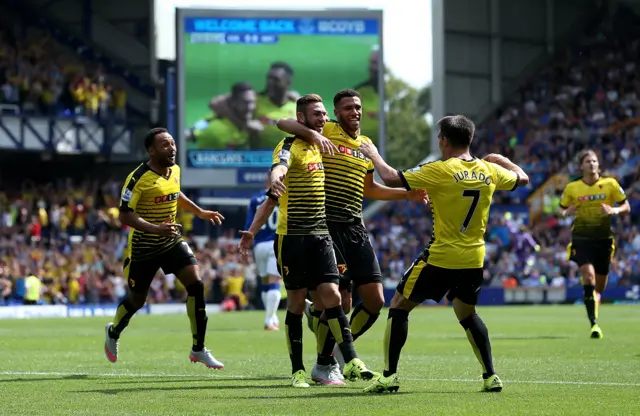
(342, 268)
(286, 270)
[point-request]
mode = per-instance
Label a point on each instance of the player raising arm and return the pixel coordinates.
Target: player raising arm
(460, 191)
(306, 258)
(591, 199)
(149, 203)
(349, 179)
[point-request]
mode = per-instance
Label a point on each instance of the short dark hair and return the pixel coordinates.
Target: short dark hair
(240, 87)
(584, 153)
(150, 137)
(349, 93)
(284, 66)
(304, 101)
(459, 130)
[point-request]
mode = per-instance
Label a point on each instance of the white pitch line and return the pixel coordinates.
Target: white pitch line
(240, 377)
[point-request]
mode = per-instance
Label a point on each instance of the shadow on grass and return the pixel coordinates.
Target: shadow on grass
(59, 378)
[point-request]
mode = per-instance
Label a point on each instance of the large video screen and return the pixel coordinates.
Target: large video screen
(241, 71)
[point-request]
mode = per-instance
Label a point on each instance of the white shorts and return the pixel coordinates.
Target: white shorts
(266, 261)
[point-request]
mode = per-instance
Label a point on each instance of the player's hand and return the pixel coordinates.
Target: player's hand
(494, 158)
(569, 211)
(169, 229)
(607, 209)
(278, 187)
(368, 149)
(245, 243)
(213, 216)
(418, 195)
(325, 145)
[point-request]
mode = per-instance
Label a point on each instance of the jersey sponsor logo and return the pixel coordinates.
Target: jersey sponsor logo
(352, 152)
(466, 175)
(315, 166)
(598, 197)
(166, 198)
(126, 195)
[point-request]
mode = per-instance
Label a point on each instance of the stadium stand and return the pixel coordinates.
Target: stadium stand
(589, 97)
(39, 76)
(68, 236)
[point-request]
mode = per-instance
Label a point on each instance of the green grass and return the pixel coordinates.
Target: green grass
(544, 355)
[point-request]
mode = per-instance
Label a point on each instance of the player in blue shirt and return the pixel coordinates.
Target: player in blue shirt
(266, 263)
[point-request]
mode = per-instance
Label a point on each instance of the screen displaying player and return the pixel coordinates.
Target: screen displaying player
(278, 56)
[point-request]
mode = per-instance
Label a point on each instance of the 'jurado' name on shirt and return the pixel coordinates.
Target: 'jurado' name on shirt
(465, 175)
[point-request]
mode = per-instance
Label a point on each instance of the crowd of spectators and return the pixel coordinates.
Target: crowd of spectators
(517, 254)
(67, 234)
(588, 97)
(39, 76)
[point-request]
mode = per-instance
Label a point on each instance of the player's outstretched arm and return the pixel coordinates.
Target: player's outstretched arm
(388, 174)
(374, 190)
(292, 126)
(214, 216)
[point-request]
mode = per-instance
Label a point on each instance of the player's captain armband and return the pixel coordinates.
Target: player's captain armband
(127, 195)
(284, 155)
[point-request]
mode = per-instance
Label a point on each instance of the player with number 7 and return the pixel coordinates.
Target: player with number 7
(460, 189)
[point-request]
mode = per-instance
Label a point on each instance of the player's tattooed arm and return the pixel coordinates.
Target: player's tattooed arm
(293, 126)
(389, 175)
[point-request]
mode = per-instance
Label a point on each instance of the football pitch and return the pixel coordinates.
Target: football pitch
(543, 354)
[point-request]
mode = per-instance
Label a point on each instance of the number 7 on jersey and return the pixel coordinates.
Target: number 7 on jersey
(474, 194)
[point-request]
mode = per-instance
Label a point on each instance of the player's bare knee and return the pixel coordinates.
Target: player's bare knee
(601, 282)
(189, 275)
(330, 295)
(372, 297)
(588, 275)
(296, 301)
(463, 310)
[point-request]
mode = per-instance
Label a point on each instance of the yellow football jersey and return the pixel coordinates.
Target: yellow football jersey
(590, 222)
(460, 194)
(302, 209)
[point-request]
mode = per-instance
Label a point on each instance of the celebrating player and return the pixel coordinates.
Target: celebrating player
(303, 247)
(591, 199)
(276, 101)
(235, 128)
(460, 190)
(266, 263)
(149, 203)
(349, 178)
